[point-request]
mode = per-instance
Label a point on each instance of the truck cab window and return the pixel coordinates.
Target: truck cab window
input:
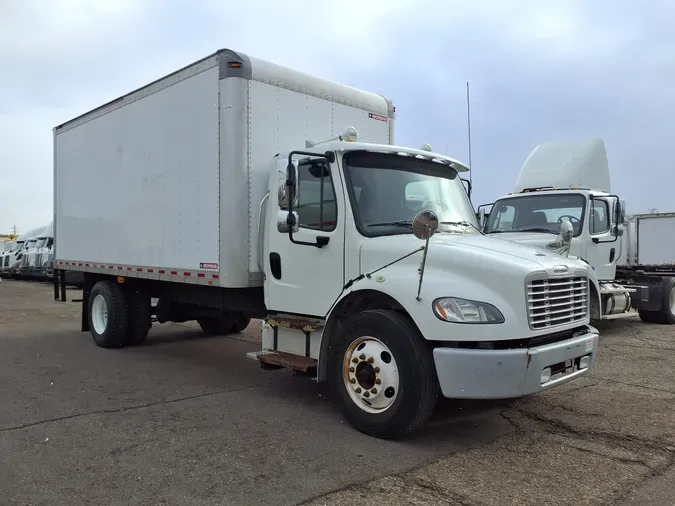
(504, 218)
(599, 222)
(317, 207)
(537, 213)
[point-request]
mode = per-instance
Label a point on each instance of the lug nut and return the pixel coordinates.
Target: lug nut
(351, 369)
(358, 390)
(362, 356)
(373, 391)
(355, 360)
(378, 381)
(352, 381)
(366, 393)
(370, 360)
(377, 369)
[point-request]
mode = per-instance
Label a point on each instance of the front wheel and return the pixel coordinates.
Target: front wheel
(383, 372)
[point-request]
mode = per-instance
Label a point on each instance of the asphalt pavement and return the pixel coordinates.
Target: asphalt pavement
(188, 419)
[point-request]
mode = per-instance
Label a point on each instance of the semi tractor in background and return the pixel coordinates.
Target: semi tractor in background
(235, 188)
(30, 256)
(632, 257)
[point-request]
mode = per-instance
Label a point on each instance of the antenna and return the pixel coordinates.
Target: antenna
(468, 121)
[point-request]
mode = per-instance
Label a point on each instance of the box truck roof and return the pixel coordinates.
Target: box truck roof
(235, 64)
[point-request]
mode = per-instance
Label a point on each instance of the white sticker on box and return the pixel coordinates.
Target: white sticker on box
(589, 345)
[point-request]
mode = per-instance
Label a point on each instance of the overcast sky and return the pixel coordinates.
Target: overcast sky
(539, 71)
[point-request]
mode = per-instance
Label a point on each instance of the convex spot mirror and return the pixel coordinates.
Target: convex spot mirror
(287, 222)
(425, 224)
(287, 181)
(566, 231)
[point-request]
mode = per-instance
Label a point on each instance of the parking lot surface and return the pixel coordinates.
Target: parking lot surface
(188, 419)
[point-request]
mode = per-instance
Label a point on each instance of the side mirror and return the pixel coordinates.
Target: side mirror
(620, 211)
(481, 218)
(287, 222)
(424, 225)
(287, 183)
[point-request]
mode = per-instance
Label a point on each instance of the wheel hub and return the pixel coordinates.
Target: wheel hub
(371, 374)
(99, 314)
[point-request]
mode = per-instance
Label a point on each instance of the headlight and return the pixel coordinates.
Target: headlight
(453, 309)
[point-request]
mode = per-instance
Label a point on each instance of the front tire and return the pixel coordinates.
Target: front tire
(108, 315)
(382, 371)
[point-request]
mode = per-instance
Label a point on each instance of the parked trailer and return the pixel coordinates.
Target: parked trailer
(211, 191)
(649, 265)
(569, 182)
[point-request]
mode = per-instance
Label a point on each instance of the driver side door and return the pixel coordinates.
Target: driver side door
(302, 278)
(604, 246)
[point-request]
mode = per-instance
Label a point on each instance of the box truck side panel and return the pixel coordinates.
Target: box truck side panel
(137, 183)
(283, 115)
(656, 240)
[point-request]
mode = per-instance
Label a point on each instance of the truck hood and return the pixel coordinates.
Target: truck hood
(469, 248)
(531, 239)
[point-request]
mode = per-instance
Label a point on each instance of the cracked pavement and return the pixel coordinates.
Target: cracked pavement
(187, 419)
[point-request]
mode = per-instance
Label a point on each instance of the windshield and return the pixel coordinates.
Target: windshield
(41, 242)
(388, 190)
(537, 213)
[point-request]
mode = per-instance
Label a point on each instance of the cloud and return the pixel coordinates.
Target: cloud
(538, 71)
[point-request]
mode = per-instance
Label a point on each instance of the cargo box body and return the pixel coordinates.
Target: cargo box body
(651, 240)
(166, 182)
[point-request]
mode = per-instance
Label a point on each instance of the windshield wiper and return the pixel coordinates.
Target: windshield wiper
(407, 224)
(461, 224)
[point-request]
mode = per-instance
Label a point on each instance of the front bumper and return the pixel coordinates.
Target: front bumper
(503, 374)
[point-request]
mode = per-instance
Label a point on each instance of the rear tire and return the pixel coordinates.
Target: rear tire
(240, 324)
(139, 317)
(216, 326)
(667, 312)
(108, 315)
(382, 370)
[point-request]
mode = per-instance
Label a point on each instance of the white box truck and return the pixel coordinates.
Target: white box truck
(212, 192)
(632, 260)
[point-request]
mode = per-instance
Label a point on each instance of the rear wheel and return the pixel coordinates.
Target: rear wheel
(240, 324)
(667, 312)
(383, 372)
(108, 315)
(139, 317)
(216, 326)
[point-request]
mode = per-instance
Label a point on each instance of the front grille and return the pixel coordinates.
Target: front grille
(557, 301)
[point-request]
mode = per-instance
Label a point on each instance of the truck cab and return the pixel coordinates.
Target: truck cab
(357, 285)
(568, 181)
(43, 254)
(12, 258)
